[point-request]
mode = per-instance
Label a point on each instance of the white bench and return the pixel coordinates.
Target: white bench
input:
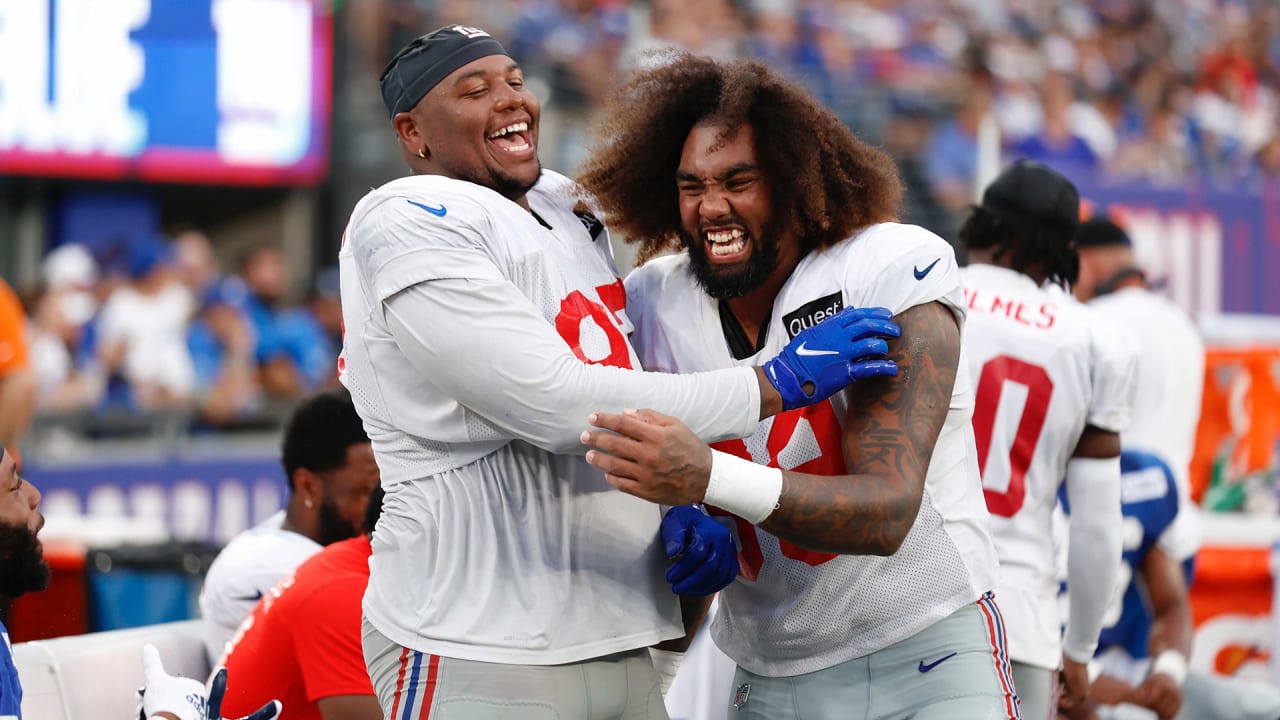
(96, 676)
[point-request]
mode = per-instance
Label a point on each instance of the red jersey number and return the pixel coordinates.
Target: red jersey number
(578, 308)
(996, 374)
(789, 448)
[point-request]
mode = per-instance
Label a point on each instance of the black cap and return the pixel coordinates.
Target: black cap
(1034, 192)
(423, 63)
(1101, 232)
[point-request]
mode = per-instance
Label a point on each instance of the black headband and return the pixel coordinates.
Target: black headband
(423, 63)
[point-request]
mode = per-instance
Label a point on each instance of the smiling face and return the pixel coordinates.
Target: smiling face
(479, 124)
(22, 565)
(727, 221)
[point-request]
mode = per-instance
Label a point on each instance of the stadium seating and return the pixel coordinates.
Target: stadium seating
(95, 676)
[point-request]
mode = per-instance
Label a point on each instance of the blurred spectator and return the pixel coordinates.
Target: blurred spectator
(142, 332)
(329, 465)
(221, 342)
(1161, 155)
(1079, 84)
(67, 376)
(196, 264)
(1266, 162)
(705, 27)
(325, 304)
(906, 138)
(292, 353)
(1057, 144)
(573, 45)
(17, 378)
(953, 149)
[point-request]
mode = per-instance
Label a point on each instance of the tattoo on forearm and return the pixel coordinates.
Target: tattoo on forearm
(889, 437)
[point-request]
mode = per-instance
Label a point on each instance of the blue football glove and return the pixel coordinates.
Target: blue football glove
(845, 348)
(706, 559)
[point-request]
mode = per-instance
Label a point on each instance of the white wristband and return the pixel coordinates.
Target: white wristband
(744, 488)
(1171, 663)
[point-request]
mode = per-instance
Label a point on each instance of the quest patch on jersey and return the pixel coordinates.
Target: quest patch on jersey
(812, 313)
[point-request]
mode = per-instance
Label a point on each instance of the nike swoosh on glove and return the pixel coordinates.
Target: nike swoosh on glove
(846, 347)
(706, 558)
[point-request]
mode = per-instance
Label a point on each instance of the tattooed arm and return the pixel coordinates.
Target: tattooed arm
(890, 432)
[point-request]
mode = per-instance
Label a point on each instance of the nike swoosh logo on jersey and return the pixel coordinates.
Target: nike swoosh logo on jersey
(438, 212)
(926, 668)
(255, 597)
(802, 350)
(919, 273)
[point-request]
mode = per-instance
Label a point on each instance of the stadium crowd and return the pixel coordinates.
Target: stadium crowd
(1171, 93)
(152, 325)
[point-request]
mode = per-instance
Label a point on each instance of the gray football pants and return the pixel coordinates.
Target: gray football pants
(412, 685)
(1038, 690)
(955, 668)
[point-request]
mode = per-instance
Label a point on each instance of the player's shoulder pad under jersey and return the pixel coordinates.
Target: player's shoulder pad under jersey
(897, 266)
(434, 201)
(897, 246)
(411, 212)
(657, 279)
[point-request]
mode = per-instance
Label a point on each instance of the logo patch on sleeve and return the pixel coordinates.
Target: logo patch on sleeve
(589, 220)
(812, 313)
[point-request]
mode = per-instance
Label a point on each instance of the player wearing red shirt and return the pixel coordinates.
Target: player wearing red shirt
(301, 644)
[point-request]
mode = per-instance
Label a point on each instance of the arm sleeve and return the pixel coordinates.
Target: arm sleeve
(489, 349)
(1093, 550)
(326, 640)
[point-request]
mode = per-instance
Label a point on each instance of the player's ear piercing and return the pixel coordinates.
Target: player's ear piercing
(307, 502)
(422, 153)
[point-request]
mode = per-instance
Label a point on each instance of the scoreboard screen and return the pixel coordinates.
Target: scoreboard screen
(229, 92)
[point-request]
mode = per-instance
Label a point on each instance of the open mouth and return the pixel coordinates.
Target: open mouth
(512, 139)
(726, 245)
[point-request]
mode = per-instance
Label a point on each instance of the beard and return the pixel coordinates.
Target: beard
(22, 565)
(723, 283)
(334, 527)
(503, 183)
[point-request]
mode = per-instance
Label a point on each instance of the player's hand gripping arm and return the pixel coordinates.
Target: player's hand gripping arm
(890, 432)
(169, 697)
(1170, 634)
(1093, 552)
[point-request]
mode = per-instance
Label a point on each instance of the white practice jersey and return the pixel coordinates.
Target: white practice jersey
(249, 566)
(1169, 388)
(1045, 367)
(479, 337)
(791, 610)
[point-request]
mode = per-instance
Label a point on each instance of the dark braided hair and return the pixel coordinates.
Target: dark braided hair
(1034, 244)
